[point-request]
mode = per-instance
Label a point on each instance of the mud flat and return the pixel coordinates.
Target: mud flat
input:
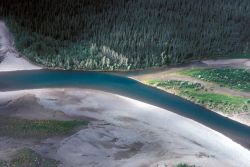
(121, 132)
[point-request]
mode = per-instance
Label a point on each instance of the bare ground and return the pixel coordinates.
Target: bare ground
(123, 132)
(10, 59)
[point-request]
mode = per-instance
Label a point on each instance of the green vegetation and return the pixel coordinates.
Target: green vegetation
(29, 158)
(3, 163)
(184, 165)
(21, 128)
(127, 34)
(233, 78)
(196, 93)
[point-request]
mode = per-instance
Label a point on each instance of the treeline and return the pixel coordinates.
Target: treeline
(125, 34)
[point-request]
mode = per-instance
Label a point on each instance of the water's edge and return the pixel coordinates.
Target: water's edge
(116, 84)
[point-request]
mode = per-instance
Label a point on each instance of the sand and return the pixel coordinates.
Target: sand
(126, 132)
(10, 59)
(122, 132)
(13, 63)
(238, 63)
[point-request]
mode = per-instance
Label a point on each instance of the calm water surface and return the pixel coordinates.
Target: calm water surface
(127, 87)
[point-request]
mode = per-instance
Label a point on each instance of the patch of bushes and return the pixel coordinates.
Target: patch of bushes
(29, 158)
(22, 128)
(197, 93)
(233, 78)
(3, 163)
(174, 84)
(184, 165)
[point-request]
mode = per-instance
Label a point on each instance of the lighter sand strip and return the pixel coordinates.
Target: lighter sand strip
(131, 133)
(239, 63)
(10, 59)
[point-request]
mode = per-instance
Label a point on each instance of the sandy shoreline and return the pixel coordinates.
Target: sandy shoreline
(128, 132)
(122, 131)
(13, 63)
(173, 74)
(240, 63)
(234, 117)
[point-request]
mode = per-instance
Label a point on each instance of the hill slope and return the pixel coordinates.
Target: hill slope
(125, 34)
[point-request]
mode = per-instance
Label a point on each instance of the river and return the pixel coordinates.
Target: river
(19, 80)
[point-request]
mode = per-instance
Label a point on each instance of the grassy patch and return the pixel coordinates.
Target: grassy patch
(233, 78)
(198, 94)
(29, 158)
(3, 163)
(21, 128)
(174, 84)
(184, 165)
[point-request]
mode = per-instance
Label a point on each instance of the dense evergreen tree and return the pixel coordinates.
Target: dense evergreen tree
(124, 34)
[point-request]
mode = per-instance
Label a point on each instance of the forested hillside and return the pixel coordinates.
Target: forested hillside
(127, 34)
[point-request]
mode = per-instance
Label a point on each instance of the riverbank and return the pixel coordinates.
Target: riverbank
(122, 132)
(209, 89)
(11, 62)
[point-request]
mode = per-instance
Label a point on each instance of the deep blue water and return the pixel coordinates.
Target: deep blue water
(127, 87)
